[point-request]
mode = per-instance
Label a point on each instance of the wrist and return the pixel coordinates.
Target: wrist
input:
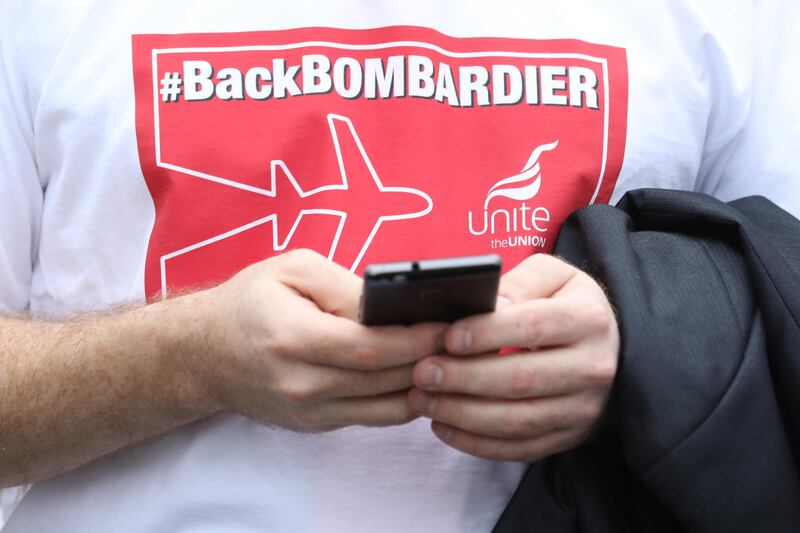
(184, 329)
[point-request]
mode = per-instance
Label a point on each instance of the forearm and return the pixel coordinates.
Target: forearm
(73, 391)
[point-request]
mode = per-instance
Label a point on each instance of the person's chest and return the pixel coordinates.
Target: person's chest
(202, 139)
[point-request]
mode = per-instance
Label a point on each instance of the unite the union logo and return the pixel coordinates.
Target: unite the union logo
(531, 220)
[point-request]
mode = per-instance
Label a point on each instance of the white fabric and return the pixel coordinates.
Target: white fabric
(712, 107)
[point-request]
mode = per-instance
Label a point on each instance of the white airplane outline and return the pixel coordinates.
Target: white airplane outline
(274, 165)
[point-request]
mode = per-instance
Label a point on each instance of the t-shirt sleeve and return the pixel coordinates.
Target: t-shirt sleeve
(764, 157)
(21, 192)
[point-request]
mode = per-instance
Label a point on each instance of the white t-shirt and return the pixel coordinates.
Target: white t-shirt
(149, 146)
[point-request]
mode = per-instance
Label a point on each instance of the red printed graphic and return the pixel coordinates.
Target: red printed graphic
(367, 146)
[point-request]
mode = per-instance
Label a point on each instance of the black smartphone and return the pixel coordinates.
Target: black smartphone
(433, 290)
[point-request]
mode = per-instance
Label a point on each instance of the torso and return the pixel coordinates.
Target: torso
(147, 196)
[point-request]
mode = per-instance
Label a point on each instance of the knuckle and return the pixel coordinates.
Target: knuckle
(549, 421)
(602, 371)
(584, 279)
(589, 411)
(283, 343)
(478, 448)
(395, 379)
(523, 382)
(449, 412)
(282, 261)
(403, 416)
(296, 259)
(516, 426)
(302, 254)
(296, 391)
(365, 357)
(534, 264)
(596, 317)
(512, 288)
(533, 329)
(540, 259)
(473, 446)
(528, 453)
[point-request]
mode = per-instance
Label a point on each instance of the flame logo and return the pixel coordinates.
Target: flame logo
(523, 188)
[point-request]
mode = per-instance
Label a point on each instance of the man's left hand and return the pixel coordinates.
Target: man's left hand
(548, 394)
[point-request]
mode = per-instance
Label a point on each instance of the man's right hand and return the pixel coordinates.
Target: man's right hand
(283, 347)
(278, 343)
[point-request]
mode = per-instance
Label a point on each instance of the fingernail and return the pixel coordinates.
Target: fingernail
(502, 301)
(423, 403)
(431, 375)
(443, 432)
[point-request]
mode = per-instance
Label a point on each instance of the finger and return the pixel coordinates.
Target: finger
(340, 342)
(332, 287)
(527, 450)
(315, 384)
(552, 372)
(538, 276)
(378, 411)
(517, 419)
(530, 324)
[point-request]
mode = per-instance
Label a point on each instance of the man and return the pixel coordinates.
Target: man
(122, 183)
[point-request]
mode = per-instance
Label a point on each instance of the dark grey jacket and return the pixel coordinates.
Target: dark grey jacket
(703, 428)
